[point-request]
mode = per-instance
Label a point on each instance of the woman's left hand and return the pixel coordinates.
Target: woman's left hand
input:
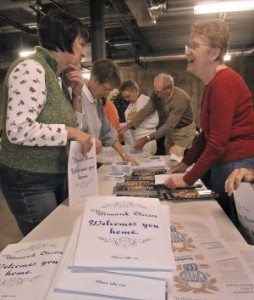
(139, 144)
(75, 80)
(175, 182)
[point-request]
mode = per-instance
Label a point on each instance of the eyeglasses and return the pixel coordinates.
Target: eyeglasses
(162, 91)
(193, 46)
(107, 87)
(126, 96)
(159, 92)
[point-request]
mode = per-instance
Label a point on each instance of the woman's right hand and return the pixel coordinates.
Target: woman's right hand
(98, 146)
(85, 139)
(179, 168)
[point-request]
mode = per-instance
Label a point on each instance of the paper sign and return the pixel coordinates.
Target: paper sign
(122, 233)
(26, 269)
(82, 174)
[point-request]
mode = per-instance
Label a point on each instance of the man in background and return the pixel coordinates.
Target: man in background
(176, 119)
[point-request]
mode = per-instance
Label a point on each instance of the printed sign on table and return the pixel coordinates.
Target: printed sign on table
(82, 174)
(26, 269)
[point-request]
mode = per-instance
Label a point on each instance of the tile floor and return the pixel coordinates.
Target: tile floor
(9, 231)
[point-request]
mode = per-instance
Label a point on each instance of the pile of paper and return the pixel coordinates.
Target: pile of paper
(208, 267)
(27, 269)
(120, 249)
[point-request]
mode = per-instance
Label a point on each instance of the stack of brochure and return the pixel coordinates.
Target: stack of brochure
(140, 184)
(27, 268)
(126, 254)
(118, 250)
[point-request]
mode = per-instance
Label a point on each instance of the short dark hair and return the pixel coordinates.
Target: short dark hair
(57, 31)
(106, 70)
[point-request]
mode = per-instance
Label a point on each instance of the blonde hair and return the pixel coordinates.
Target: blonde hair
(217, 32)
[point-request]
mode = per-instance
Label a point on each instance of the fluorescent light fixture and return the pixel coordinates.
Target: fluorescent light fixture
(85, 73)
(223, 6)
(227, 57)
(25, 53)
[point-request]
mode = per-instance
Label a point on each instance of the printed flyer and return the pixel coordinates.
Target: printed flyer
(82, 174)
(26, 269)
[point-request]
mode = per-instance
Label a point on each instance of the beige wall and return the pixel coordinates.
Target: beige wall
(184, 80)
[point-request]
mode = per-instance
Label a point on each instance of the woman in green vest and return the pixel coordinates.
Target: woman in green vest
(39, 120)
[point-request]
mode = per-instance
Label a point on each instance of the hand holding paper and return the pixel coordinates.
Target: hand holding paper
(82, 173)
(236, 177)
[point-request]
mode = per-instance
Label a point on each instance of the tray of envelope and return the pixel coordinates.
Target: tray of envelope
(141, 178)
(130, 183)
(188, 194)
(136, 190)
(145, 175)
(147, 172)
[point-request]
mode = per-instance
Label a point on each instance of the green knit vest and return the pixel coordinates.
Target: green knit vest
(57, 110)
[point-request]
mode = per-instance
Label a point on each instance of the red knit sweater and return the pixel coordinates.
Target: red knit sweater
(227, 122)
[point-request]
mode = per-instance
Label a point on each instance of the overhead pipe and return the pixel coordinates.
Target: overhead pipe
(134, 34)
(56, 5)
(147, 59)
(36, 6)
(174, 57)
(19, 26)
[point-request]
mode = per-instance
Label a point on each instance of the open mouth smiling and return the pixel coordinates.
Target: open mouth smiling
(190, 60)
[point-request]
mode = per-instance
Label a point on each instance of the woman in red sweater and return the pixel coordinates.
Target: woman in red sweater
(226, 141)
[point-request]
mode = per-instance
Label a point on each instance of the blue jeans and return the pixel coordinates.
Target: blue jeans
(219, 174)
(31, 197)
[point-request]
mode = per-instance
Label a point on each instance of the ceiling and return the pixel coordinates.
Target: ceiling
(131, 35)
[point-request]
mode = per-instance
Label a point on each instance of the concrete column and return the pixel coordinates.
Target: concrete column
(97, 17)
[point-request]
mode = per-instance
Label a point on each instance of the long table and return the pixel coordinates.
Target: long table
(59, 222)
